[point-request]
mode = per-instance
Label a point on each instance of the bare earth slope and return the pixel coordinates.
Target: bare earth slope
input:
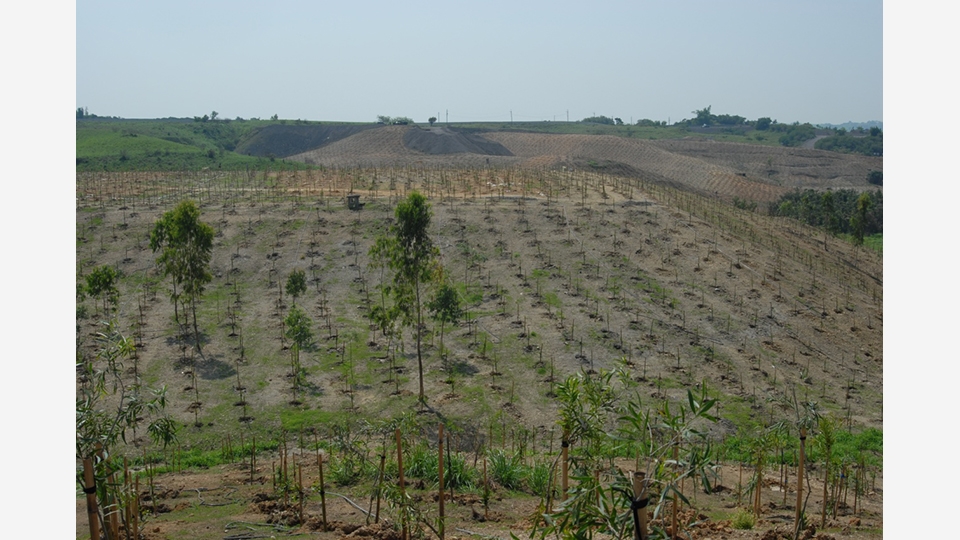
(728, 170)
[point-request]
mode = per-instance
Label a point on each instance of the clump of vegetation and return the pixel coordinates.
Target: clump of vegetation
(796, 134)
(871, 145)
(834, 210)
(743, 520)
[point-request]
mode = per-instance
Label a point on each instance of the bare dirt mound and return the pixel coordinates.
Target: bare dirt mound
(603, 152)
(441, 140)
(787, 167)
(386, 147)
(284, 141)
(725, 170)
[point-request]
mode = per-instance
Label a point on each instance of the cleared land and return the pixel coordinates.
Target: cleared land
(751, 172)
(560, 271)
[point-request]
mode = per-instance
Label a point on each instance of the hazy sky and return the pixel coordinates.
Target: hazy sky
(810, 61)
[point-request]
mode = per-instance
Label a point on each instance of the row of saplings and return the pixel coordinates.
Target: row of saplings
(599, 424)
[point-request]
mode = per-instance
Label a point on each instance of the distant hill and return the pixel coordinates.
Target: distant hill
(748, 166)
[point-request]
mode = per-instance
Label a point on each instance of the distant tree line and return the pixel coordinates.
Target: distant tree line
(871, 145)
(602, 120)
(706, 118)
(794, 134)
(395, 120)
(843, 211)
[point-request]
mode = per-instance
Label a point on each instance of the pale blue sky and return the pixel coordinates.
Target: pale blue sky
(809, 61)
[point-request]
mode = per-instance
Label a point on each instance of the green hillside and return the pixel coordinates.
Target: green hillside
(168, 144)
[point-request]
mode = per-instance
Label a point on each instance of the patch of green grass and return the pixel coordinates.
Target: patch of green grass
(738, 411)
(165, 145)
(293, 420)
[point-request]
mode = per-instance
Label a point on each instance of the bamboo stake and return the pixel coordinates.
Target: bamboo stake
(403, 518)
(323, 494)
(564, 449)
(136, 507)
(300, 487)
(383, 458)
(485, 487)
(673, 520)
(803, 439)
(639, 505)
(114, 505)
(128, 506)
(440, 473)
(90, 488)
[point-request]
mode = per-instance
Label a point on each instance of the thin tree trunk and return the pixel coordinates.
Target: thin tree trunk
(196, 330)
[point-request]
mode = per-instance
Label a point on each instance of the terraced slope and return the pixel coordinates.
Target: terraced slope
(726, 170)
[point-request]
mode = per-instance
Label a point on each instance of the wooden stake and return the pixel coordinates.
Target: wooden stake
(90, 488)
(640, 505)
(323, 494)
(403, 519)
(300, 487)
(564, 446)
(803, 439)
(673, 520)
(485, 487)
(383, 459)
(440, 473)
(136, 507)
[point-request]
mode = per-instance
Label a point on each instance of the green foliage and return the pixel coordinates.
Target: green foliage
(539, 478)
(424, 461)
(858, 221)
(186, 245)
(599, 120)
(296, 284)
(743, 520)
(763, 123)
(706, 118)
(646, 122)
(875, 178)
(348, 470)
(833, 212)
(744, 204)
(102, 284)
(797, 134)
(601, 410)
(409, 252)
(107, 407)
(868, 146)
(395, 120)
(703, 117)
(298, 328)
(508, 471)
(445, 305)
(166, 145)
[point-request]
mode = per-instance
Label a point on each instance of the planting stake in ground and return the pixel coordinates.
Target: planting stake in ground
(564, 445)
(639, 506)
(90, 488)
(403, 516)
(440, 474)
(803, 441)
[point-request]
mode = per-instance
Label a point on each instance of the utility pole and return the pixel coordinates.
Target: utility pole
(446, 118)
(568, 115)
(511, 117)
